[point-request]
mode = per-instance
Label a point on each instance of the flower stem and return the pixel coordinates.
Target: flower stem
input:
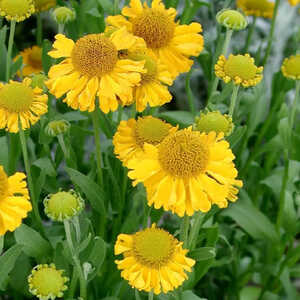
(1, 243)
(9, 50)
(271, 33)
(250, 33)
(116, 7)
(150, 295)
(184, 230)
(98, 145)
(39, 30)
(233, 99)
(63, 146)
(61, 28)
(83, 285)
(195, 230)
(294, 107)
(29, 178)
(189, 92)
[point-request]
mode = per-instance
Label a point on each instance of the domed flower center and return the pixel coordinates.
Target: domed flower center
(258, 5)
(94, 55)
(153, 247)
(16, 8)
(3, 183)
(241, 66)
(150, 130)
(16, 97)
(292, 65)
(183, 154)
(35, 58)
(155, 27)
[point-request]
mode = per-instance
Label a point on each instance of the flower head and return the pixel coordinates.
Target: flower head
(46, 282)
(168, 41)
(14, 201)
(32, 60)
(56, 127)
(131, 136)
(214, 121)
(187, 172)
(20, 103)
(232, 19)
(258, 8)
(153, 260)
(291, 67)
(16, 10)
(92, 67)
(240, 69)
(63, 205)
(63, 15)
(294, 2)
(43, 5)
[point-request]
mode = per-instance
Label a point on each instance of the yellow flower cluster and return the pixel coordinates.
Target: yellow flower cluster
(258, 8)
(291, 67)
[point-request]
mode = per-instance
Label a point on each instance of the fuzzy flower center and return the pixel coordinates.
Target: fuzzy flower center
(16, 97)
(153, 247)
(94, 55)
(155, 27)
(150, 130)
(292, 66)
(35, 58)
(16, 8)
(183, 154)
(3, 183)
(241, 66)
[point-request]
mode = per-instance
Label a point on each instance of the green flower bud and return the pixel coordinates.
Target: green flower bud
(63, 15)
(56, 127)
(232, 19)
(214, 121)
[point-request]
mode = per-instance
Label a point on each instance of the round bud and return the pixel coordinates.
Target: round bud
(232, 19)
(56, 127)
(63, 15)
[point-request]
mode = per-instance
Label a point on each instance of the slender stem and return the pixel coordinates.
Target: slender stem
(9, 50)
(29, 178)
(271, 33)
(39, 30)
(116, 7)
(98, 145)
(77, 228)
(61, 28)
(189, 92)
(195, 230)
(184, 230)
(83, 285)
(227, 41)
(150, 295)
(250, 33)
(1, 243)
(294, 106)
(120, 113)
(73, 284)
(233, 99)
(62, 144)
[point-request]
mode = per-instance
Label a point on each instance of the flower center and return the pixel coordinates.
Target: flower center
(16, 8)
(155, 27)
(42, 5)
(16, 97)
(94, 55)
(35, 58)
(183, 154)
(3, 184)
(153, 247)
(150, 130)
(292, 66)
(258, 5)
(241, 66)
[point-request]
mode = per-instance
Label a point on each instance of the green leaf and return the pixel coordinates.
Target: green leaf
(95, 194)
(74, 116)
(189, 295)
(16, 65)
(46, 59)
(183, 118)
(46, 165)
(284, 132)
(4, 152)
(237, 134)
(3, 52)
(7, 262)
(289, 214)
(33, 243)
(203, 253)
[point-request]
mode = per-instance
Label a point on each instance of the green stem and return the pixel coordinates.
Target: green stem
(1, 243)
(133, 111)
(62, 144)
(189, 92)
(83, 284)
(98, 145)
(120, 113)
(77, 228)
(271, 34)
(150, 295)
(199, 216)
(233, 99)
(294, 106)
(29, 179)
(39, 30)
(184, 230)
(61, 28)
(9, 49)
(73, 284)
(250, 33)
(116, 7)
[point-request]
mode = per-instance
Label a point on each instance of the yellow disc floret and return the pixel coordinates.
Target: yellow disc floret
(258, 8)
(16, 10)
(240, 69)
(291, 67)
(46, 282)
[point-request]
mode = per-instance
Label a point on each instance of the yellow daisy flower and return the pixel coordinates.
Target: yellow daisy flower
(32, 60)
(19, 102)
(153, 260)
(131, 136)
(291, 67)
(14, 201)
(16, 10)
(187, 172)
(170, 42)
(294, 2)
(258, 8)
(240, 69)
(43, 5)
(93, 68)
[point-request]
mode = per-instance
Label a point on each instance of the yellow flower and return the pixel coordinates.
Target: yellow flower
(32, 60)
(240, 69)
(258, 8)
(153, 260)
(93, 68)
(46, 282)
(294, 2)
(16, 10)
(131, 136)
(291, 67)
(19, 102)
(14, 201)
(187, 172)
(43, 5)
(170, 42)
